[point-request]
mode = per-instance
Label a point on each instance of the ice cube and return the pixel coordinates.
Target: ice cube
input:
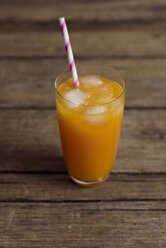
(96, 116)
(117, 107)
(105, 98)
(95, 110)
(91, 80)
(105, 94)
(76, 96)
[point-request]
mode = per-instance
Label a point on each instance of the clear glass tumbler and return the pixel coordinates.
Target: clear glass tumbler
(90, 133)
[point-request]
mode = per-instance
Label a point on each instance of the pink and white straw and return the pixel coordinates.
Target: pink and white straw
(69, 51)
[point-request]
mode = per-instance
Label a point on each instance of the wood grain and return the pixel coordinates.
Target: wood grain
(108, 44)
(29, 141)
(118, 224)
(39, 204)
(59, 188)
(43, 11)
(30, 82)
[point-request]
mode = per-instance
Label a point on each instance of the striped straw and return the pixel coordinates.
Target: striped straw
(69, 50)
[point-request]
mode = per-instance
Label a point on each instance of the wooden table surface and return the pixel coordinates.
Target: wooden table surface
(39, 205)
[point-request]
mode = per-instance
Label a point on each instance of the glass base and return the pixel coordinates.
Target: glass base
(89, 184)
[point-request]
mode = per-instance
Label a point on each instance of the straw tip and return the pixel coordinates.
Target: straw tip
(61, 19)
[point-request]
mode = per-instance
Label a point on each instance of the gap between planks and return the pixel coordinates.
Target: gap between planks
(84, 58)
(128, 108)
(49, 172)
(81, 25)
(24, 200)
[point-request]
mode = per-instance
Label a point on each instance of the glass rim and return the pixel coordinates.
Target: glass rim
(86, 105)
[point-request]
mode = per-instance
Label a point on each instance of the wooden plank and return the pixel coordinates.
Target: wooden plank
(145, 10)
(136, 43)
(59, 188)
(82, 225)
(29, 141)
(30, 83)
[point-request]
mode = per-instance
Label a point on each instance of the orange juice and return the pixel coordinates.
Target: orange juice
(90, 118)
